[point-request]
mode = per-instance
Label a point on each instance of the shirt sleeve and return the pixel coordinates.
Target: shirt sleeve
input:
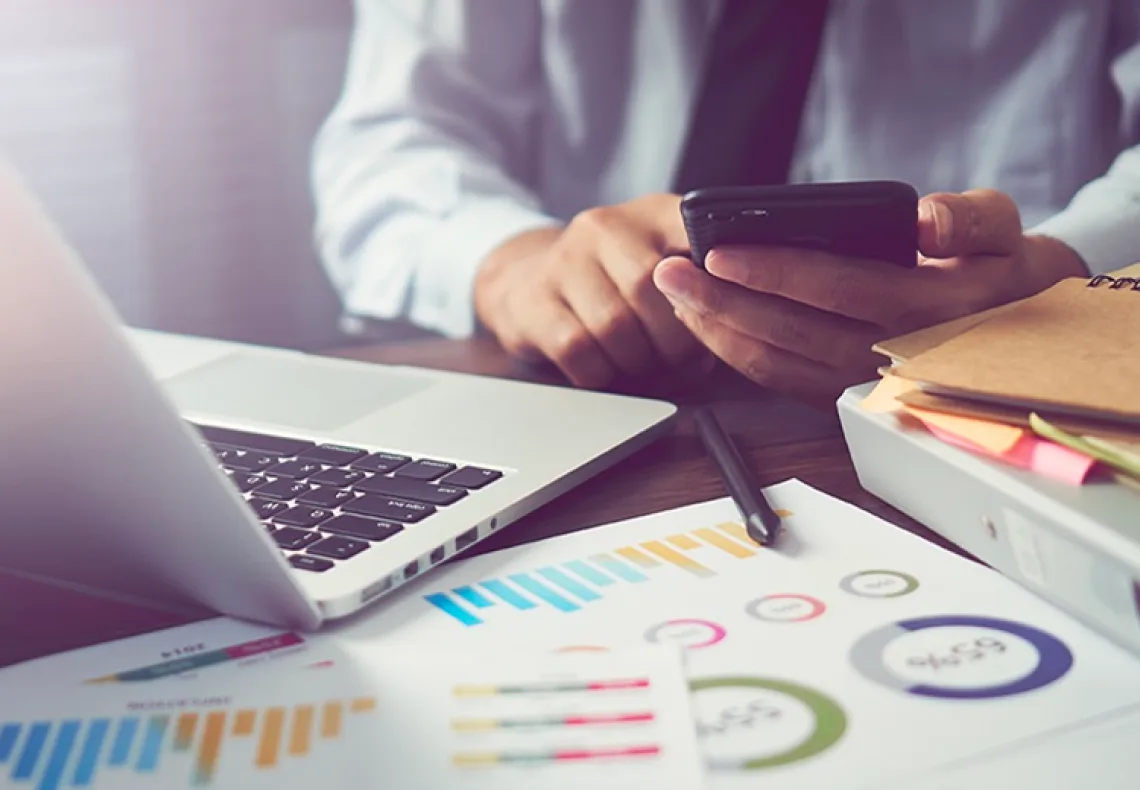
(1102, 221)
(417, 173)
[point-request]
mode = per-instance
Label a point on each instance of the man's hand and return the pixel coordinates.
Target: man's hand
(583, 297)
(804, 321)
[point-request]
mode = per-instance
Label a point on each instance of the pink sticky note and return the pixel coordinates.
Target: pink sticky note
(1039, 455)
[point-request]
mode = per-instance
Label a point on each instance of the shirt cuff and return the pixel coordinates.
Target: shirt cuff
(1105, 233)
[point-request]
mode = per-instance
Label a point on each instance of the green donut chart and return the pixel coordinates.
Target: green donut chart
(827, 721)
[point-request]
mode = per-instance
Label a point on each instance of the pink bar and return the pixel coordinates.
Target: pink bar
(609, 718)
(597, 754)
(613, 685)
(266, 645)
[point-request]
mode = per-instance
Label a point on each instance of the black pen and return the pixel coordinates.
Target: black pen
(761, 521)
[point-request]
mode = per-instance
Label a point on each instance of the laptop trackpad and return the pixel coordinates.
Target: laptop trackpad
(306, 393)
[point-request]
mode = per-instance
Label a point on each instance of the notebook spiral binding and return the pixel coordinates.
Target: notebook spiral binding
(1114, 283)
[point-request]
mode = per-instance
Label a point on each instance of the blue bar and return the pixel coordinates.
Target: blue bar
(473, 597)
(60, 752)
(9, 734)
(618, 568)
(503, 591)
(540, 590)
(124, 740)
(37, 737)
(89, 757)
(589, 573)
(152, 743)
(443, 602)
(572, 586)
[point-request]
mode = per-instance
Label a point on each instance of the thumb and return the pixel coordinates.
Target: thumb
(978, 222)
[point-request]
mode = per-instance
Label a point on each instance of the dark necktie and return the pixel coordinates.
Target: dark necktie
(756, 75)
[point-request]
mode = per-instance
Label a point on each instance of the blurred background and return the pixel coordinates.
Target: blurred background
(170, 139)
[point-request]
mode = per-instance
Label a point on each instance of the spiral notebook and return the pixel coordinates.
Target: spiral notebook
(1068, 350)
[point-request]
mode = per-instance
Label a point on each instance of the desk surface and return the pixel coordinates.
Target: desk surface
(780, 439)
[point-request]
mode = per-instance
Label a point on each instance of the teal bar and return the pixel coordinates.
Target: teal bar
(26, 765)
(89, 756)
(589, 573)
(473, 597)
(124, 740)
(60, 753)
(540, 590)
(443, 602)
(619, 568)
(152, 744)
(560, 579)
(176, 667)
(504, 592)
(9, 734)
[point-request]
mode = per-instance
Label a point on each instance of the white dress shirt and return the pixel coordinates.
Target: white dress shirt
(466, 122)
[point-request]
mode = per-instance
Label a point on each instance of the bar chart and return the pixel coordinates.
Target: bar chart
(71, 753)
(570, 586)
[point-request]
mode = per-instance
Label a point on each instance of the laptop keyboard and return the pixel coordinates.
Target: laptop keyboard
(326, 503)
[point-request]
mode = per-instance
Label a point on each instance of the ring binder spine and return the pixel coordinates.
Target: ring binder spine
(1114, 283)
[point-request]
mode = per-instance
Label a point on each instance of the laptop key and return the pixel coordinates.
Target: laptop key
(266, 508)
(297, 470)
(306, 563)
(245, 481)
(425, 469)
(338, 548)
(246, 460)
(302, 516)
(381, 462)
(364, 528)
(338, 478)
(277, 445)
(412, 489)
(471, 477)
(323, 496)
(388, 508)
(282, 489)
(295, 539)
(333, 454)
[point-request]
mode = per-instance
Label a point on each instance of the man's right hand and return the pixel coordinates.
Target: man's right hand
(583, 296)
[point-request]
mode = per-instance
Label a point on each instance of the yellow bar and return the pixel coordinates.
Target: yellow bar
(302, 730)
(714, 538)
(184, 731)
(331, 716)
(675, 557)
(636, 557)
(363, 705)
(211, 746)
(475, 691)
(244, 722)
(270, 746)
(737, 531)
(684, 542)
(469, 725)
(475, 760)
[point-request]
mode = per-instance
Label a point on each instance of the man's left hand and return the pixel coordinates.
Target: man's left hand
(804, 321)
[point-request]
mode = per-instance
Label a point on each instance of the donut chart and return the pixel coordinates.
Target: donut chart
(689, 633)
(961, 657)
(786, 608)
(879, 583)
(753, 723)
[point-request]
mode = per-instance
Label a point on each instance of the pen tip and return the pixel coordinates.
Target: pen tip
(758, 530)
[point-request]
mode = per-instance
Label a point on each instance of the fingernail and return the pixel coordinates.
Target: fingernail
(943, 223)
(726, 265)
(673, 286)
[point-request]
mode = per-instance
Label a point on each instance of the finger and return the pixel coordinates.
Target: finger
(550, 326)
(823, 337)
(873, 292)
(979, 222)
(596, 301)
(767, 365)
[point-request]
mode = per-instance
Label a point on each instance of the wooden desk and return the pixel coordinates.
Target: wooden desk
(779, 438)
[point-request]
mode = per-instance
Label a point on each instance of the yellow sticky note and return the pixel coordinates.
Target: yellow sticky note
(996, 437)
(884, 398)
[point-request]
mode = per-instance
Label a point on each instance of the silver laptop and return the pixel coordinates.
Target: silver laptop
(265, 484)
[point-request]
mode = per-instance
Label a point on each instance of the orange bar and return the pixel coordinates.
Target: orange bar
(784, 513)
(714, 538)
(636, 557)
(674, 557)
(244, 723)
(737, 531)
(270, 746)
(684, 542)
(184, 731)
(211, 746)
(302, 729)
(330, 720)
(363, 705)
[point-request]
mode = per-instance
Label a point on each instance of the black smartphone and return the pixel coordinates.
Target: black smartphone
(859, 219)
